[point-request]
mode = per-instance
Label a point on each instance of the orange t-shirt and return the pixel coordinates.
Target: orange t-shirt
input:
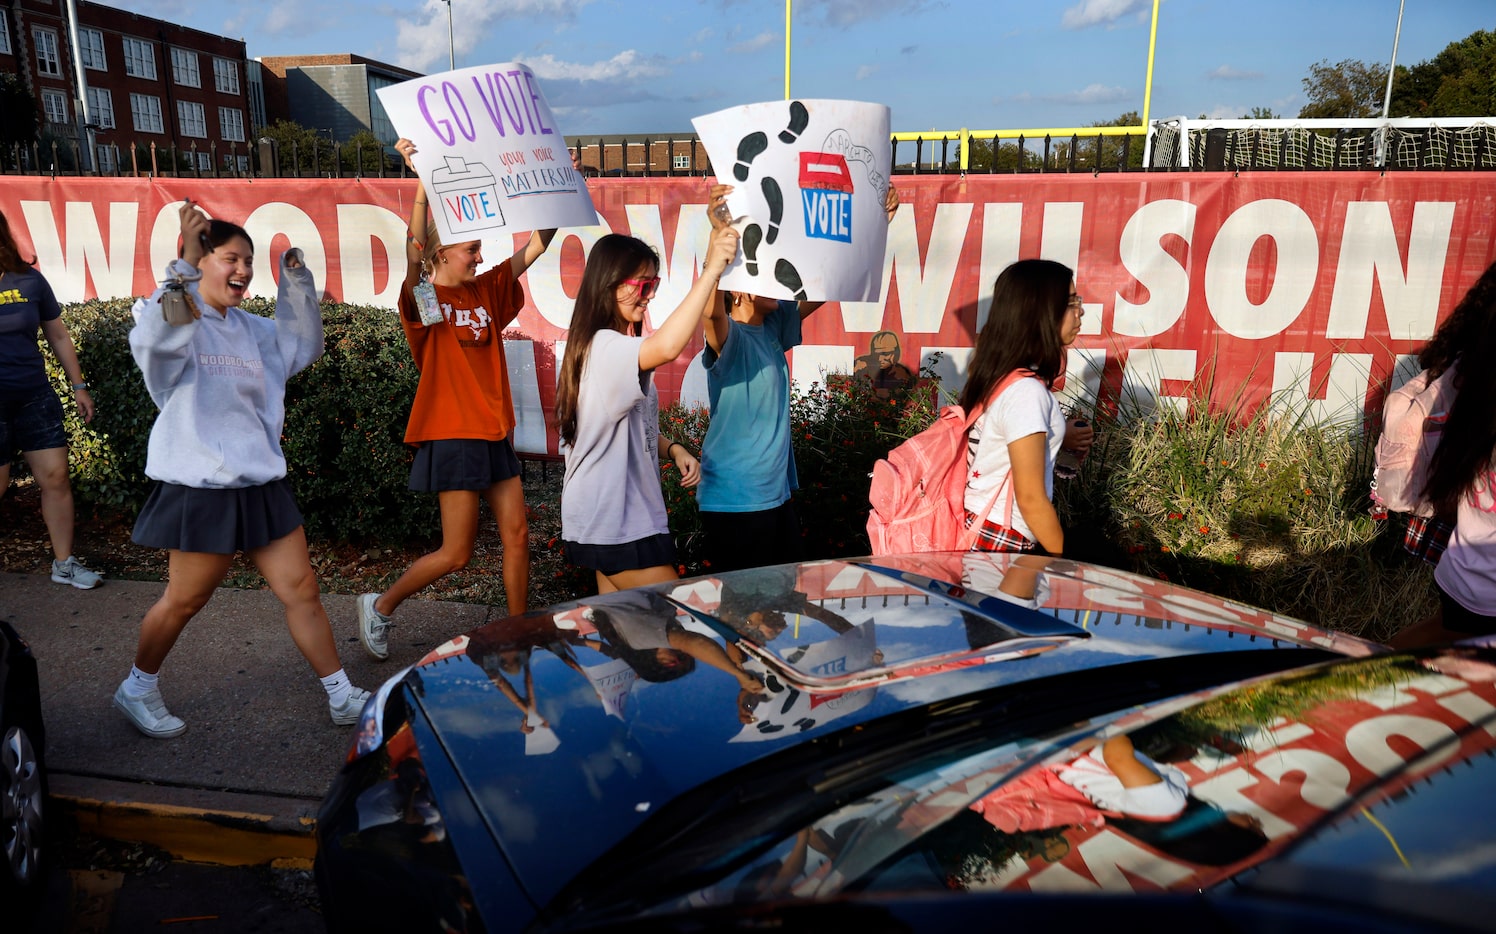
(464, 387)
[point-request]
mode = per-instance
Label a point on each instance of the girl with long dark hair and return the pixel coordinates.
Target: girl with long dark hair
(1462, 475)
(1036, 314)
(613, 516)
(30, 412)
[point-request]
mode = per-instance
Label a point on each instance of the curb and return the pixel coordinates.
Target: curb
(224, 828)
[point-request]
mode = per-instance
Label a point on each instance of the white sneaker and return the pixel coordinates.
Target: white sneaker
(71, 571)
(348, 712)
(373, 627)
(149, 714)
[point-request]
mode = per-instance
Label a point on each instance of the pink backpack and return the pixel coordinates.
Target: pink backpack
(918, 492)
(1413, 420)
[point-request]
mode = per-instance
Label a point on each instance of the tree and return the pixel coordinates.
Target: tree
(1351, 89)
(1260, 113)
(299, 150)
(1458, 82)
(1113, 147)
(21, 119)
(362, 153)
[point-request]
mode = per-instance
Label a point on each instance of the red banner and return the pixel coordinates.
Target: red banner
(1302, 288)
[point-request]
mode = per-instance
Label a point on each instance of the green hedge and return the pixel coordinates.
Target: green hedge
(345, 421)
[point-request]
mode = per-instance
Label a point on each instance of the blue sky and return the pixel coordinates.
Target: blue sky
(649, 66)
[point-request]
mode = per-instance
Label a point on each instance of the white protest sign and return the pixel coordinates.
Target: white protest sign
(489, 152)
(810, 177)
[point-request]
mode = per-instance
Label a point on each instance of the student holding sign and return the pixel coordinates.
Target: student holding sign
(463, 415)
(613, 517)
(747, 461)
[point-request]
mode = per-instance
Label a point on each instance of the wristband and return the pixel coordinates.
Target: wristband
(78, 386)
(672, 446)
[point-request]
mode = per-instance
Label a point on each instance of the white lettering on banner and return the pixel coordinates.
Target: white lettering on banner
(1472, 708)
(1001, 226)
(810, 363)
(1144, 256)
(1281, 733)
(1344, 392)
(360, 227)
(1060, 238)
(544, 276)
(1224, 791)
(276, 218)
(1083, 370)
(524, 389)
(1114, 591)
(1397, 695)
(166, 233)
(1369, 250)
(1230, 267)
(924, 293)
(86, 253)
(1326, 779)
(950, 369)
(677, 267)
(1367, 741)
(1106, 855)
(1143, 373)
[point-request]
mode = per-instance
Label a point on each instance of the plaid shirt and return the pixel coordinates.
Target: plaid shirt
(997, 537)
(1427, 538)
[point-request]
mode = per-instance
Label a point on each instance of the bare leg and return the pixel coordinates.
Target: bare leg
(50, 468)
(638, 578)
(459, 509)
(191, 578)
(287, 568)
(507, 500)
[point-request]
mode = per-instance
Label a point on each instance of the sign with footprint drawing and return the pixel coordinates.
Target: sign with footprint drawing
(489, 152)
(810, 177)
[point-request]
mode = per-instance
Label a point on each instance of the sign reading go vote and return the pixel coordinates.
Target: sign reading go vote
(810, 177)
(489, 152)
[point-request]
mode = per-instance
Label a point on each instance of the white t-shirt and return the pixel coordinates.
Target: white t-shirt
(611, 494)
(1467, 571)
(1160, 801)
(1025, 408)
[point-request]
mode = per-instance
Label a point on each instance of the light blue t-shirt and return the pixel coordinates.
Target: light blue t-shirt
(747, 462)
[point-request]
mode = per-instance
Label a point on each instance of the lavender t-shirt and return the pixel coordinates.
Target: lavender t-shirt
(611, 494)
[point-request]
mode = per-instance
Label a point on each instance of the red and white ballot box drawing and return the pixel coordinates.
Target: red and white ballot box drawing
(465, 193)
(826, 196)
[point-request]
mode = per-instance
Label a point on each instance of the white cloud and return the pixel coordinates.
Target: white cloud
(1227, 73)
(421, 40)
(1099, 12)
(761, 41)
(626, 65)
(865, 72)
(1091, 94)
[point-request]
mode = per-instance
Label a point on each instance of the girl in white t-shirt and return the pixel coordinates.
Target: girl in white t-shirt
(612, 509)
(1036, 314)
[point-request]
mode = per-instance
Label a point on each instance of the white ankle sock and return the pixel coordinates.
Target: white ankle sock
(139, 683)
(338, 687)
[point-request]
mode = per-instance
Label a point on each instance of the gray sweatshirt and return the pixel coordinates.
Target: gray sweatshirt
(220, 383)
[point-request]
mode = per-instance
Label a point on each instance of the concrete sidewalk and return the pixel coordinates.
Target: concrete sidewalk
(242, 785)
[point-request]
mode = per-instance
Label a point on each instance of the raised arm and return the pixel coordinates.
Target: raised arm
(420, 219)
(667, 342)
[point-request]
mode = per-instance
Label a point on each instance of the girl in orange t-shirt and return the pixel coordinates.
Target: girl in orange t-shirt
(463, 416)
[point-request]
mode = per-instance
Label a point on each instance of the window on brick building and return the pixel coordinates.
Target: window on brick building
(184, 68)
(140, 59)
(226, 76)
(145, 113)
(47, 62)
(91, 49)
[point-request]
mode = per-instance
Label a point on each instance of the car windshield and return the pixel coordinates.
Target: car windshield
(1184, 797)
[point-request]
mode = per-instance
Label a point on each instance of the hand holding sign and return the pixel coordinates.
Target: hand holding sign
(812, 196)
(488, 151)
